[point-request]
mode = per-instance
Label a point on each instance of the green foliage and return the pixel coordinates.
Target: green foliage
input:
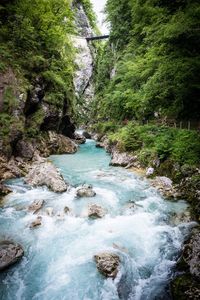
(9, 122)
(35, 40)
(150, 142)
(10, 100)
(157, 48)
(105, 127)
(88, 8)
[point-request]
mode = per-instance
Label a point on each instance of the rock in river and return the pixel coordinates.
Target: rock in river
(46, 174)
(36, 223)
(10, 253)
(36, 206)
(85, 191)
(107, 264)
(96, 211)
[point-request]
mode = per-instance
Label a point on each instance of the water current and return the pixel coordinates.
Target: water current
(58, 262)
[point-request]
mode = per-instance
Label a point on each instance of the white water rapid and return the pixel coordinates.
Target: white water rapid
(58, 262)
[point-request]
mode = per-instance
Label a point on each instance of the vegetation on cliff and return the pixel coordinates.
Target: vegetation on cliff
(154, 52)
(36, 68)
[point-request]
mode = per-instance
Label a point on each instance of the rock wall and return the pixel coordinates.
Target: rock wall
(85, 58)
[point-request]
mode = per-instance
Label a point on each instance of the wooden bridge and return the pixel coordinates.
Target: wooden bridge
(96, 38)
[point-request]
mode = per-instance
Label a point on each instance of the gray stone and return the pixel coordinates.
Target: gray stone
(165, 186)
(10, 253)
(96, 211)
(36, 206)
(85, 191)
(46, 174)
(150, 172)
(36, 223)
(24, 149)
(67, 210)
(191, 253)
(122, 159)
(107, 264)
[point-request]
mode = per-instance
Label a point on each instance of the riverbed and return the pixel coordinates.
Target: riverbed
(58, 262)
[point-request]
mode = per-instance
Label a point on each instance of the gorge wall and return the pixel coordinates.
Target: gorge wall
(46, 65)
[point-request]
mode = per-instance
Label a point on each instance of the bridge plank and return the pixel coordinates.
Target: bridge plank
(93, 38)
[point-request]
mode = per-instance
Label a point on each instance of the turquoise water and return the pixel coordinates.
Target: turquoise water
(58, 262)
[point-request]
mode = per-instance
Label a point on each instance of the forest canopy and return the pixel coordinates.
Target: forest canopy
(152, 61)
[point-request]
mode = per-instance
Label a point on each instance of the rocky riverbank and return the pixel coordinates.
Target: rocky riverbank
(32, 152)
(186, 282)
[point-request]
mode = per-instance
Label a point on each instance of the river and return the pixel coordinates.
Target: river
(58, 262)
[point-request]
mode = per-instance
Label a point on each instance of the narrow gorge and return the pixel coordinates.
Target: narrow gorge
(99, 151)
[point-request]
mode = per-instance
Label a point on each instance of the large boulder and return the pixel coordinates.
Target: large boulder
(46, 174)
(122, 159)
(61, 144)
(107, 264)
(85, 191)
(96, 211)
(87, 135)
(10, 253)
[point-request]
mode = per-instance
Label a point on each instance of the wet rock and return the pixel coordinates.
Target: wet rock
(178, 218)
(122, 159)
(10, 253)
(36, 206)
(36, 223)
(97, 137)
(107, 264)
(96, 211)
(99, 145)
(191, 253)
(80, 139)
(185, 287)
(46, 174)
(187, 284)
(4, 190)
(85, 191)
(87, 135)
(67, 210)
(165, 186)
(49, 211)
(150, 172)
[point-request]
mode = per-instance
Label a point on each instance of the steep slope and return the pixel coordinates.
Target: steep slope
(38, 74)
(154, 50)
